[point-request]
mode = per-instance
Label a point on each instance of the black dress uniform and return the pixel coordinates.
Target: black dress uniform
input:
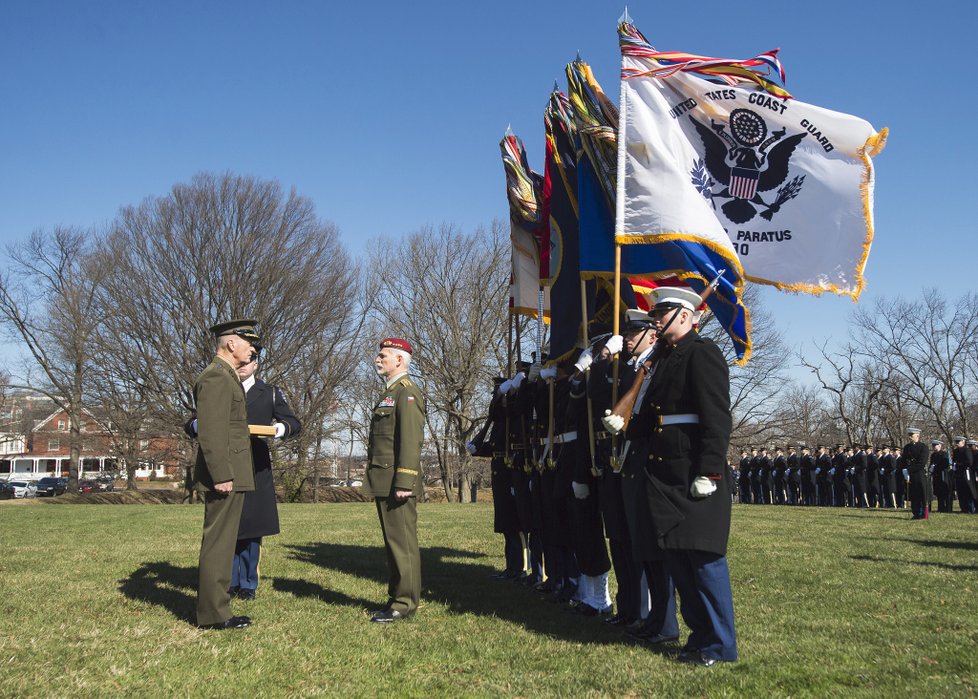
(963, 479)
(888, 476)
(743, 479)
(940, 468)
(807, 464)
(627, 571)
(859, 464)
(491, 443)
(823, 479)
(872, 478)
(692, 379)
(794, 478)
(915, 461)
(779, 477)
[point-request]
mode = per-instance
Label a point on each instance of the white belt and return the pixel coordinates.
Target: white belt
(560, 438)
(679, 419)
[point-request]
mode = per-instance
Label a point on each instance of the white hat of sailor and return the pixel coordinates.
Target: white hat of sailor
(676, 297)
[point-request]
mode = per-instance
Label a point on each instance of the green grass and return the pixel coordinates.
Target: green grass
(98, 600)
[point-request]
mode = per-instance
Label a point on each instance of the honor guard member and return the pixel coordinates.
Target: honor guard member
(394, 476)
(743, 476)
(766, 478)
(823, 482)
(840, 477)
(779, 476)
(915, 461)
(688, 484)
(901, 477)
(660, 625)
(259, 514)
(940, 470)
(872, 477)
(491, 443)
(807, 464)
(755, 477)
(223, 472)
(888, 472)
(793, 475)
(859, 463)
(600, 379)
(963, 481)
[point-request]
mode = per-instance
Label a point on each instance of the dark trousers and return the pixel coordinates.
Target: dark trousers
(244, 567)
(662, 595)
(965, 499)
(705, 601)
(399, 522)
(514, 552)
(629, 577)
(222, 515)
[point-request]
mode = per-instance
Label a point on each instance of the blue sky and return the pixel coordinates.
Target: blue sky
(388, 115)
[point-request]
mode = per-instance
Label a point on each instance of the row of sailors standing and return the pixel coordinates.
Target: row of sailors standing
(578, 495)
(862, 475)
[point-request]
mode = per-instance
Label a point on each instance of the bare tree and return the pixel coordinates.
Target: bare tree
(447, 291)
(930, 345)
(49, 302)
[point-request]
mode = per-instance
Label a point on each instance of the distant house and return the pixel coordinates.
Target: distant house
(46, 450)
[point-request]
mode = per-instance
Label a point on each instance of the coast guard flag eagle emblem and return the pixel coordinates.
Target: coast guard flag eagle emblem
(746, 161)
(714, 153)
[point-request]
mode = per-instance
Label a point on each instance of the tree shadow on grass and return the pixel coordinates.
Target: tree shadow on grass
(932, 564)
(163, 584)
(932, 543)
(462, 587)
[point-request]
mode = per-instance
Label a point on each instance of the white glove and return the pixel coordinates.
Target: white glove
(585, 360)
(613, 423)
(818, 471)
(547, 374)
(534, 371)
(279, 430)
(906, 474)
(193, 425)
(702, 487)
(832, 471)
(516, 381)
(581, 490)
(529, 485)
(505, 386)
(614, 344)
(470, 447)
(512, 491)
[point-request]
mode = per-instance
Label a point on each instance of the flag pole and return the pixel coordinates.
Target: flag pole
(595, 471)
(615, 325)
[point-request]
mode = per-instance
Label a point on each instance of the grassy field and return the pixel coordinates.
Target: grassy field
(98, 600)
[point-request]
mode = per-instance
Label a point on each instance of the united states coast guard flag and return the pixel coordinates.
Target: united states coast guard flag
(719, 156)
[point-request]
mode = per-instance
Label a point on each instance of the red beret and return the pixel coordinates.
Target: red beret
(397, 343)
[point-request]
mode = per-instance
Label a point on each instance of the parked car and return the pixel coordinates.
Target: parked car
(49, 486)
(6, 491)
(105, 482)
(23, 489)
(87, 486)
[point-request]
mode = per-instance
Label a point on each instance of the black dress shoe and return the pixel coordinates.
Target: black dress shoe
(387, 616)
(235, 622)
(659, 639)
(695, 657)
(246, 593)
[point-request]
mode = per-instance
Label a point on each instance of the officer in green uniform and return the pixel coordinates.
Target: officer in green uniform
(224, 471)
(394, 476)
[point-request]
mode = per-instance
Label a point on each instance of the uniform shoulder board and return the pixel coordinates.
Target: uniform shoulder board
(405, 382)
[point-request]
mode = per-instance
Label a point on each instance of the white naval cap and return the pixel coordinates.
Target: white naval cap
(676, 297)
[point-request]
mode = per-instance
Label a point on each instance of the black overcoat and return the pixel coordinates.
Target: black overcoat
(691, 377)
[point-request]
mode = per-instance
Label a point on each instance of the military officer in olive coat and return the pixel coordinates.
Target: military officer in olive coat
(394, 476)
(223, 472)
